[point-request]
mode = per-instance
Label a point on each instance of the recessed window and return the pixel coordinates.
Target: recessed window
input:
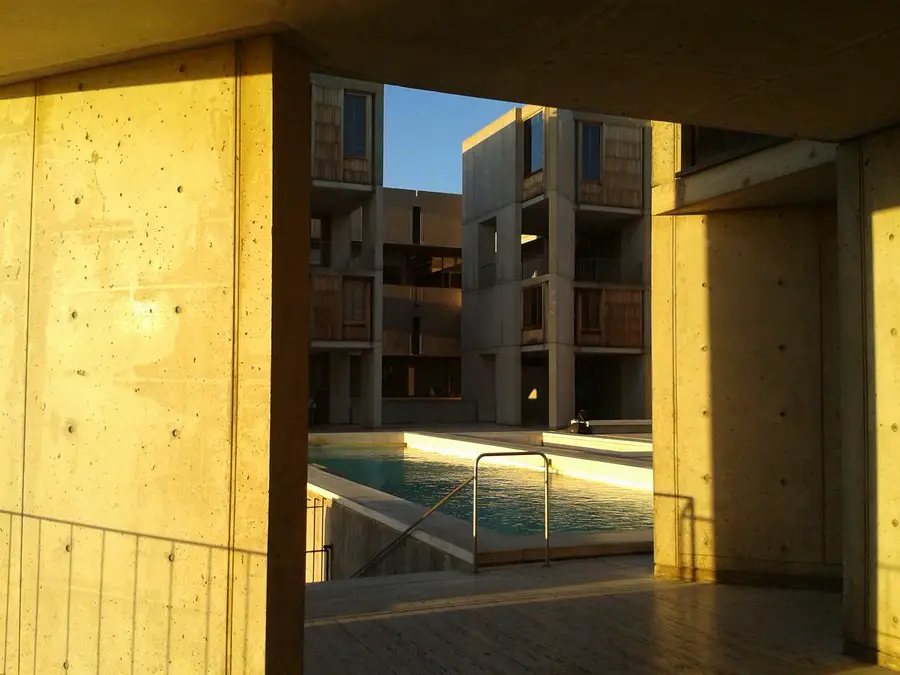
(534, 144)
(591, 152)
(417, 225)
(533, 308)
(355, 124)
(415, 339)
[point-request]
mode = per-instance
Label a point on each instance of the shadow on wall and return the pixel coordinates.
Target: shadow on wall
(756, 462)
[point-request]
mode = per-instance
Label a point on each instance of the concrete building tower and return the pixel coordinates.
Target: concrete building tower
(345, 251)
(556, 272)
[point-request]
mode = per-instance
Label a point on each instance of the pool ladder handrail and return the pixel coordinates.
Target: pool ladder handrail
(511, 453)
(403, 535)
(472, 479)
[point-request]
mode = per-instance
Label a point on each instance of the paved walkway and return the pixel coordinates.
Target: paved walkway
(586, 617)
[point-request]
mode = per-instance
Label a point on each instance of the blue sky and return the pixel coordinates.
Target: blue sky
(423, 135)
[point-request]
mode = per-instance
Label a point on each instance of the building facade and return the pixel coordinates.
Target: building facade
(556, 274)
(385, 275)
(345, 255)
(421, 364)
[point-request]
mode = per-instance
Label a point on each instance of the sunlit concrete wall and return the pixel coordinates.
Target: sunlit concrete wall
(136, 270)
(746, 387)
(869, 244)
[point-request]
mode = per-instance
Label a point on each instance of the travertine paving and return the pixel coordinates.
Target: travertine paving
(599, 616)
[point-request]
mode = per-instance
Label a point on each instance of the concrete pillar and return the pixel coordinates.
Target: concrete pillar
(561, 363)
(559, 310)
(508, 386)
(370, 384)
(339, 387)
(340, 240)
(169, 324)
(869, 267)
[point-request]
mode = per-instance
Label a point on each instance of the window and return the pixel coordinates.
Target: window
(355, 127)
(487, 253)
(591, 152)
(533, 308)
(416, 336)
(319, 242)
(534, 144)
(417, 225)
(355, 291)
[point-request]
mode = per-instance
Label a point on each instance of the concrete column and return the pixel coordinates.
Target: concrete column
(339, 387)
(559, 310)
(869, 268)
(508, 386)
(169, 323)
(370, 383)
(561, 374)
(340, 240)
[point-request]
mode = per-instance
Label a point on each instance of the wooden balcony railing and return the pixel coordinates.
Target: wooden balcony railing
(609, 317)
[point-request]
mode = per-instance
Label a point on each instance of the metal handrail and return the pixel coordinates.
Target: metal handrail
(516, 453)
(403, 535)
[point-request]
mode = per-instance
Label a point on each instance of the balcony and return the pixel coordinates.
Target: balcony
(609, 317)
(340, 308)
(532, 185)
(420, 321)
(608, 271)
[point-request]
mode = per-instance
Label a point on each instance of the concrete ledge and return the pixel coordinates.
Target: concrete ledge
(868, 654)
(616, 471)
(642, 446)
(356, 438)
(805, 577)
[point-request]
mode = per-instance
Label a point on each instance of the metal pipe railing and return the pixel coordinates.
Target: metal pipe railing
(516, 453)
(403, 535)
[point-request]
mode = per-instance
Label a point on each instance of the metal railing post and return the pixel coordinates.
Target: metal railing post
(518, 453)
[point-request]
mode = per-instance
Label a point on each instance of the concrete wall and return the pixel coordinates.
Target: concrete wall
(419, 411)
(492, 161)
(746, 432)
(869, 236)
(143, 347)
(356, 539)
(441, 217)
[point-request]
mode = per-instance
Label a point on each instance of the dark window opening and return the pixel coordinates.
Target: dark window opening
(319, 242)
(591, 152)
(393, 275)
(355, 131)
(534, 144)
(703, 147)
(416, 336)
(417, 225)
(533, 308)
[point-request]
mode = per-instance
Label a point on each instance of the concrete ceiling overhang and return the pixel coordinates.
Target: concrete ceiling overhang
(820, 70)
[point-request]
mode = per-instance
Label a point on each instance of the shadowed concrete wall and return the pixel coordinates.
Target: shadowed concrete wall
(746, 416)
(137, 269)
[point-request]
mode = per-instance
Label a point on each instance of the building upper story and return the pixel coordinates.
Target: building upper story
(422, 273)
(345, 210)
(556, 205)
